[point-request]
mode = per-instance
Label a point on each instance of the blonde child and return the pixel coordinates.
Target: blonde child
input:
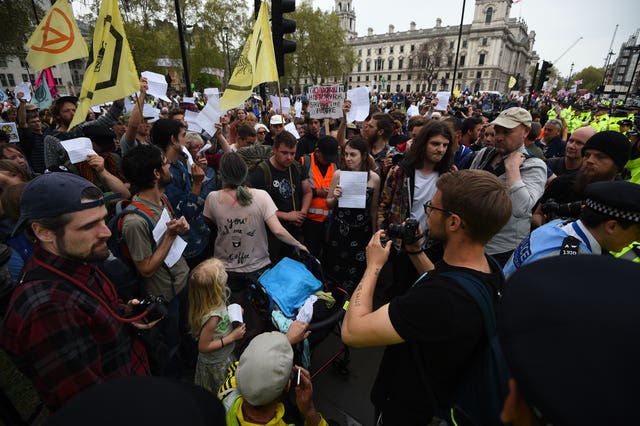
(210, 324)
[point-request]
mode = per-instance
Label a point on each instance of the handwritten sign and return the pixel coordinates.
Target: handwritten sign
(326, 101)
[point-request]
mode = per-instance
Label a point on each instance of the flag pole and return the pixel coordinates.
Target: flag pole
(279, 96)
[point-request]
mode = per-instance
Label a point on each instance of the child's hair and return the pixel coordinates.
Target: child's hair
(207, 290)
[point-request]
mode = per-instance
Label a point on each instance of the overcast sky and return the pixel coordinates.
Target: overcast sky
(557, 23)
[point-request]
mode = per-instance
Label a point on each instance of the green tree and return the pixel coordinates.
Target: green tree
(591, 78)
(428, 59)
(20, 21)
(322, 50)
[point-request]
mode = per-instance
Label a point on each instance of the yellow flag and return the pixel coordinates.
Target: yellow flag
(57, 39)
(111, 73)
(456, 91)
(256, 64)
(512, 82)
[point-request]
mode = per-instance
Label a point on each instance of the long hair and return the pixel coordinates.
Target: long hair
(207, 291)
(360, 144)
(417, 152)
(233, 172)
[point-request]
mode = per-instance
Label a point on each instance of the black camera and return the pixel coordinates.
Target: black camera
(405, 231)
(155, 306)
(553, 210)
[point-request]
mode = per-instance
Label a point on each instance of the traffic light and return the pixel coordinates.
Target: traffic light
(544, 74)
(279, 27)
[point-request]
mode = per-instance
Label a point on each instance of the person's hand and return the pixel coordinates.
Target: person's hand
(197, 172)
(238, 332)
(346, 107)
(387, 163)
(202, 162)
(337, 191)
(96, 162)
(377, 254)
(304, 397)
(177, 226)
(417, 244)
(137, 324)
(144, 86)
(514, 161)
(296, 217)
(322, 192)
(298, 331)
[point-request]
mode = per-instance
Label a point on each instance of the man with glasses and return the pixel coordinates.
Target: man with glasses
(432, 330)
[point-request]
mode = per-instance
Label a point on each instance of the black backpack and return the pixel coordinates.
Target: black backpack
(479, 396)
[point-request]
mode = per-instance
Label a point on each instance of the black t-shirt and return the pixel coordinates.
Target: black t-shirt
(562, 190)
(306, 145)
(281, 185)
(557, 165)
(444, 325)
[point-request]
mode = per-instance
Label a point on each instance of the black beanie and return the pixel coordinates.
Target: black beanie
(614, 144)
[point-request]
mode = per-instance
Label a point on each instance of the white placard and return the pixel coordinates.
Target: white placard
(291, 128)
(297, 107)
(282, 103)
(209, 116)
(25, 88)
(157, 85)
(192, 118)
(178, 246)
(354, 189)
(360, 105)
(78, 149)
(443, 101)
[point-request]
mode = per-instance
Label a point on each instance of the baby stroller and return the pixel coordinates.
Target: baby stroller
(281, 291)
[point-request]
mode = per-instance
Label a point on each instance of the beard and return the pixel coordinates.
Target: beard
(584, 178)
(97, 253)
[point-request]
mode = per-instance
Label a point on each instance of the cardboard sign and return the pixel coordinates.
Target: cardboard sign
(12, 130)
(326, 101)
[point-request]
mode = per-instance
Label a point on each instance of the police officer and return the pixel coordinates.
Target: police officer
(609, 221)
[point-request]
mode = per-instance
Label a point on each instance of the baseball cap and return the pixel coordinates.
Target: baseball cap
(513, 117)
(276, 119)
(328, 146)
(568, 328)
(54, 194)
(264, 368)
(614, 144)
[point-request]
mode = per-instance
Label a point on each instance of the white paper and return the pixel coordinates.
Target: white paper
(150, 112)
(178, 246)
(359, 98)
(25, 88)
(78, 149)
(354, 189)
(157, 85)
(235, 313)
(413, 110)
(209, 116)
(189, 100)
(12, 130)
(189, 158)
(297, 107)
(212, 92)
(204, 149)
(286, 104)
(443, 101)
(291, 128)
(97, 109)
(192, 117)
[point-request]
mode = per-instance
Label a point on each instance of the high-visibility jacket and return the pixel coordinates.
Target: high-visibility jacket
(318, 210)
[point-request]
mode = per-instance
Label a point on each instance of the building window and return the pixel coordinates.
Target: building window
(462, 58)
(359, 66)
(410, 62)
(367, 78)
(389, 77)
(391, 49)
(390, 64)
(305, 81)
(459, 76)
(488, 16)
(451, 44)
(437, 61)
(350, 79)
(402, 49)
(368, 66)
(25, 77)
(369, 52)
(58, 81)
(358, 79)
(446, 76)
(464, 44)
(478, 74)
(413, 47)
(380, 51)
(3, 80)
(409, 77)
(481, 60)
(399, 77)
(484, 41)
(12, 81)
(449, 61)
(360, 52)
(23, 63)
(3, 62)
(408, 87)
(400, 63)
(379, 64)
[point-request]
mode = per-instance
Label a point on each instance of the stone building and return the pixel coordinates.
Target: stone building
(625, 71)
(493, 48)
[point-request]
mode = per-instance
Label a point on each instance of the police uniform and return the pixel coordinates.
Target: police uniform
(617, 199)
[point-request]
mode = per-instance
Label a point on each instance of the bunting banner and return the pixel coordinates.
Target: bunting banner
(256, 64)
(47, 74)
(41, 95)
(111, 73)
(57, 38)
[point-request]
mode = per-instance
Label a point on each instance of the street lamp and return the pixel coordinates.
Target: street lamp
(225, 31)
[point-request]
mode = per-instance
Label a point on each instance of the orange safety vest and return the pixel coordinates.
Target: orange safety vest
(318, 210)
